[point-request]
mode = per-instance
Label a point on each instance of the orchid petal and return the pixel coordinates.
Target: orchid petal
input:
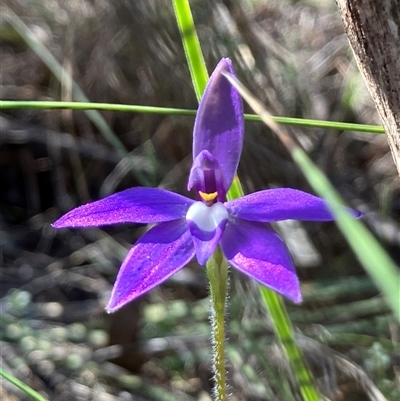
(282, 204)
(257, 251)
(206, 225)
(134, 205)
(157, 255)
(219, 122)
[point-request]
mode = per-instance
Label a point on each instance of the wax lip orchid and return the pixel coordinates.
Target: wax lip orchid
(187, 227)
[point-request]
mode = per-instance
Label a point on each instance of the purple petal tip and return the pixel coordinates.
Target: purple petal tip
(298, 298)
(57, 224)
(110, 309)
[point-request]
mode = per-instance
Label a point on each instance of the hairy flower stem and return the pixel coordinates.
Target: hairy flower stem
(217, 271)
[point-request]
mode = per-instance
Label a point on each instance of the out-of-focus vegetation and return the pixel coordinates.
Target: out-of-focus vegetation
(55, 335)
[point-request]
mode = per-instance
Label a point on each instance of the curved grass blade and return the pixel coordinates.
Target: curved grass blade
(373, 257)
(22, 386)
(127, 108)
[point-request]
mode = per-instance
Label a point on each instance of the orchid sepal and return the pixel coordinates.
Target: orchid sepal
(219, 123)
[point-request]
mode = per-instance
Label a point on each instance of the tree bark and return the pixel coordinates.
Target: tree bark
(373, 29)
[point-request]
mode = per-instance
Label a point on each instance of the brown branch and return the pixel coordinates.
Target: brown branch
(373, 29)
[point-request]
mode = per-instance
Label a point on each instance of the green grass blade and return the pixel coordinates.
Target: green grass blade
(335, 125)
(283, 326)
(191, 44)
(22, 386)
(127, 108)
(285, 334)
(373, 257)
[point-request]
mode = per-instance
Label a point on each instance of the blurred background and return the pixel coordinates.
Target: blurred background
(55, 334)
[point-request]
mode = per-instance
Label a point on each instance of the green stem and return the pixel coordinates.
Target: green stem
(217, 271)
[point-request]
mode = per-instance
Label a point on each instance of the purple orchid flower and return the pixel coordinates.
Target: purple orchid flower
(185, 227)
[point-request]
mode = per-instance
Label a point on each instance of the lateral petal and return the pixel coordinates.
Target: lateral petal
(282, 204)
(219, 123)
(259, 252)
(157, 255)
(134, 205)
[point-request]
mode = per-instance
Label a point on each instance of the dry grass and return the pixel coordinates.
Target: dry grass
(55, 334)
